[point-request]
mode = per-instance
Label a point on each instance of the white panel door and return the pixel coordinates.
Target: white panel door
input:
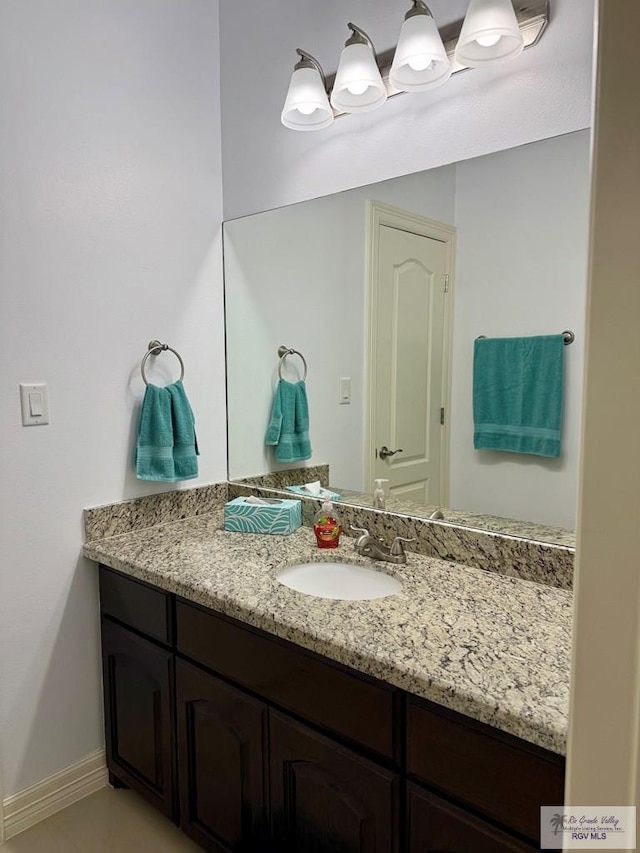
(408, 344)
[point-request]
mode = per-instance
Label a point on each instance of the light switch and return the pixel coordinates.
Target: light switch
(35, 404)
(344, 390)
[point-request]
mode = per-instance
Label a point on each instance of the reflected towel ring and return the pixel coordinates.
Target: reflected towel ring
(283, 352)
(155, 348)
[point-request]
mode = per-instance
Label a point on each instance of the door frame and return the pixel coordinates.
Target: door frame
(606, 629)
(380, 214)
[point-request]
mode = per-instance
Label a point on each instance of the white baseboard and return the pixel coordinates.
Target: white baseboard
(34, 804)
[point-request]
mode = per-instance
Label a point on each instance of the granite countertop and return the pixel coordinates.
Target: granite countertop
(492, 647)
(543, 533)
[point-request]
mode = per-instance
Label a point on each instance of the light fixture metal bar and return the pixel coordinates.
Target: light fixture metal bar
(533, 18)
(308, 61)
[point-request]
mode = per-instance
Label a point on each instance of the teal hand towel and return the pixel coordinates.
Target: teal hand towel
(518, 394)
(185, 443)
(166, 448)
(288, 428)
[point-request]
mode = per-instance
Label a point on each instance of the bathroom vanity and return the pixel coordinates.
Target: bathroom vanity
(261, 719)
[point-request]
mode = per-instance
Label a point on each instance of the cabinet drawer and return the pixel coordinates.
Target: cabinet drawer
(137, 604)
(436, 826)
(323, 693)
(502, 777)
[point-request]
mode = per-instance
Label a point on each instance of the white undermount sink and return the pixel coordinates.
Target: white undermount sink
(342, 581)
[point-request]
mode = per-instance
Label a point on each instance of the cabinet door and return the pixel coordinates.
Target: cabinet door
(138, 691)
(220, 762)
(436, 826)
(325, 798)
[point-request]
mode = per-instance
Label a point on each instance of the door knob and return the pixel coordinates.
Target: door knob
(385, 452)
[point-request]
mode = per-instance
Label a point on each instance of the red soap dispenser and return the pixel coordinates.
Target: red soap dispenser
(327, 526)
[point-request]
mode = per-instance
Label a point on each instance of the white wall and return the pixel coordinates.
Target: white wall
(523, 230)
(110, 210)
(296, 276)
(545, 93)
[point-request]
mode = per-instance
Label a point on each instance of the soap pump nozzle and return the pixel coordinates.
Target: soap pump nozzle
(378, 495)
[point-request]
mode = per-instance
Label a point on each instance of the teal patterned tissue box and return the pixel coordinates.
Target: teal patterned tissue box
(279, 518)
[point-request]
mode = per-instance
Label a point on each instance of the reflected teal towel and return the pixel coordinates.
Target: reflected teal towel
(288, 428)
(167, 447)
(517, 394)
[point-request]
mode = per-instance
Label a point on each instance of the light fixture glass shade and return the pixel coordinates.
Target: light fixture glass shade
(307, 104)
(420, 61)
(490, 34)
(358, 85)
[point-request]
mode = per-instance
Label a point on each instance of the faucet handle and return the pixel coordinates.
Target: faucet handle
(363, 539)
(397, 548)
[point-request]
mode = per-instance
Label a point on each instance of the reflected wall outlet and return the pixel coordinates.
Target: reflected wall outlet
(34, 401)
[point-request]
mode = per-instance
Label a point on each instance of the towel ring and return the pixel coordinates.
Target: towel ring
(283, 352)
(155, 348)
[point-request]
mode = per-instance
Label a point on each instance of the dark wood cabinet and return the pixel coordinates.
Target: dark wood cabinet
(255, 745)
(137, 605)
(435, 826)
(220, 760)
(293, 679)
(326, 798)
(490, 771)
(138, 681)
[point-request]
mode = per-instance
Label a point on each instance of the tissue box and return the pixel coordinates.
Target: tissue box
(281, 518)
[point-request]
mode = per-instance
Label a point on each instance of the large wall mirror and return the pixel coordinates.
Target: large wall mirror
(504, 240)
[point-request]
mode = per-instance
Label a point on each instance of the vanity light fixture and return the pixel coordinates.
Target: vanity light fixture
(493, 31)
(420, 61)
(358, 86)
(490, 34)
(307, 104)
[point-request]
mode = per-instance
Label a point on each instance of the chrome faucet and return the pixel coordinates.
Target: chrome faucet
(369, 546)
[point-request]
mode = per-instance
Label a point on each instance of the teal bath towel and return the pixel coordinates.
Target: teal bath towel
(518, 394)
(288, 429)
(167, 448)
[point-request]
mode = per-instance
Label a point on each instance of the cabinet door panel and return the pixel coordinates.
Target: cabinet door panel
(138, 687)
(435, 826)
(220, 761)
(325, 798)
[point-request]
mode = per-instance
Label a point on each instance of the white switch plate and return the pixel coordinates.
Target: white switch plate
(344, 390)
(34, 401)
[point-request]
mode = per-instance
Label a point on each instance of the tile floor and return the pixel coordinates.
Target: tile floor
(108, 821)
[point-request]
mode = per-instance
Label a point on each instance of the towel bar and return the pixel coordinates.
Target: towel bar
(155, 348)
(283, 352)
(568, 336)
